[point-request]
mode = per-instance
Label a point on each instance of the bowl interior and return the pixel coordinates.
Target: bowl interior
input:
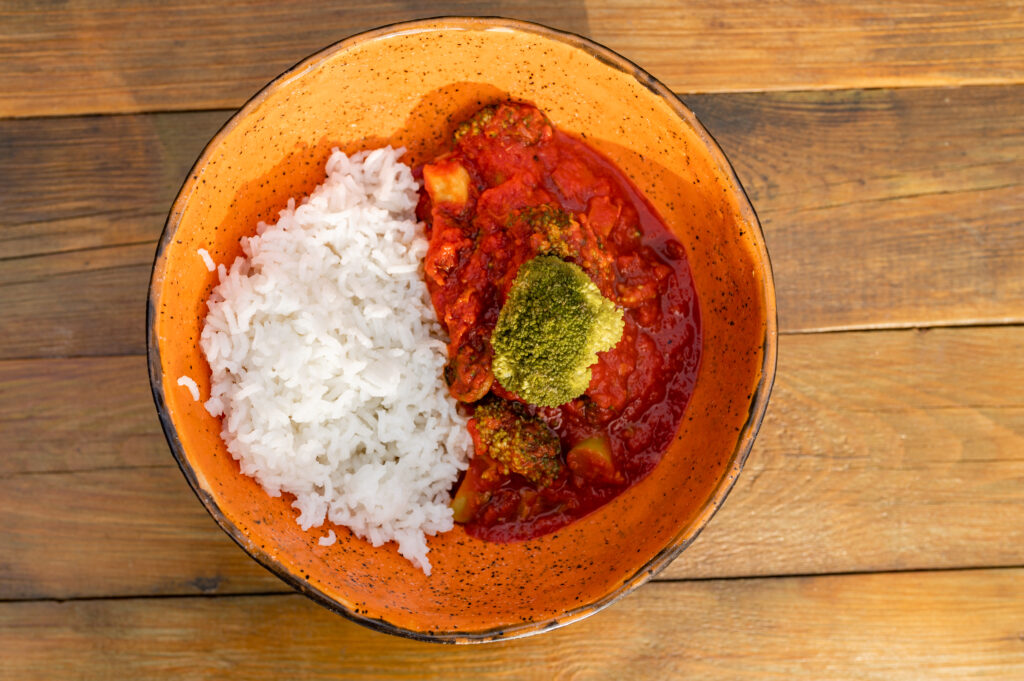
(408, 86)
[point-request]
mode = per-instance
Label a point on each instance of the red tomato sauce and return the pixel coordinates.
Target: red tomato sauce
(508, 163)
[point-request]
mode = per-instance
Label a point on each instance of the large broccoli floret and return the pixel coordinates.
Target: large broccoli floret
(553, 324)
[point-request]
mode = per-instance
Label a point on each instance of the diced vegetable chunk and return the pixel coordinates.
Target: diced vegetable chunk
(591, 459)
(447, 181)
(469, 372)
(472, 493)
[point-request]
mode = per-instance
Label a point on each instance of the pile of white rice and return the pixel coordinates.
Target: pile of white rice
(327, 361)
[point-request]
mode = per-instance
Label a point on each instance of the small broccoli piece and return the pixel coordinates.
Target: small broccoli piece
(522, 123)
(521, 443)
(555, 231)
(553, 324)
(474, 125)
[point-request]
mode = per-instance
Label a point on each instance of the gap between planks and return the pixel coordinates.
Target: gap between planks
(135, 57)
(660, 579)
(877, 627)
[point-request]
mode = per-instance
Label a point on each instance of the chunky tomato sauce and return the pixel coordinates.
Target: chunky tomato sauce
(510, 170)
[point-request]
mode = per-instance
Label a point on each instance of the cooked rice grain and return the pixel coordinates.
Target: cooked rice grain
(191, 385)
(207, 260)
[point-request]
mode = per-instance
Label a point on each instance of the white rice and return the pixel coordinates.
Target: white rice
(327, 360)
(191, 385)
(207, 260)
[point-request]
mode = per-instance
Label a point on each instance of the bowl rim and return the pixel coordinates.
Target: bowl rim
(748, 432)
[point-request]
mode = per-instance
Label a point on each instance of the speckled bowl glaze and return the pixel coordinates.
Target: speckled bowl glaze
(407, 85)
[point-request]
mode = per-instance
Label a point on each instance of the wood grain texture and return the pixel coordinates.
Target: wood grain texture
(876, 532)
(870, 221)
(884, 208)
(884, 627)
(880, 451)
(84, 183)
(734, 45)
(889, 450)
(107, 56)
(118, 56)
(66, 416)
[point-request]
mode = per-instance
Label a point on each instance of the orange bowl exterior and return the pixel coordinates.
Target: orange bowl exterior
(406, 85)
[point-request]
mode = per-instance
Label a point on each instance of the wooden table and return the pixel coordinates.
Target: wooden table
(878, 530)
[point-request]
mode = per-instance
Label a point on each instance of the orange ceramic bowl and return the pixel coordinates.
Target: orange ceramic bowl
(407, 85)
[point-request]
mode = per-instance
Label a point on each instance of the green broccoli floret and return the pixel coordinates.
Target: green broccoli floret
(553, 324)
(554, 230)
(522, 443)
(520, 122)
(474, 125)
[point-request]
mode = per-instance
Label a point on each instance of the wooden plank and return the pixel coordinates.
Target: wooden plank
(737, 45)
(118, 530)
(888, 450)
(123, 56)
(91, 195)
(86, 469)
(881, 627)
(870, 222)
(78, 415)
(92, 56)
(83, 183)
(880, 451)
(92, 302)
(884, 208)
